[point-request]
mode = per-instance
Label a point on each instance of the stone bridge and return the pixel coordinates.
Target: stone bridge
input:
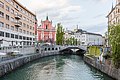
(73, 50)
(64, 49)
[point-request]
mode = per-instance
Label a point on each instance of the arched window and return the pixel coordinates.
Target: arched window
(46, 27)
(49, 49)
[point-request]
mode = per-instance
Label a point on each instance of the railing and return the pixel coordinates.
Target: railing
(79, 46)
(18, 24)
(22, 49)
(17, 16)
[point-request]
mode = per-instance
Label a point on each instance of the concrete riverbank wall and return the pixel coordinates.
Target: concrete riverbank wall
(10, 65)
(111, 71)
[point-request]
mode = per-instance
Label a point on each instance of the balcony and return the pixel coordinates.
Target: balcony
(17, 16)
(18, 24)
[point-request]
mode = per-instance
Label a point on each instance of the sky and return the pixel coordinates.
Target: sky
(89, 15)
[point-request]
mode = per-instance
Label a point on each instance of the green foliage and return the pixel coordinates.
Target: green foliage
(114, 40)
(59, 35)
(71, 41)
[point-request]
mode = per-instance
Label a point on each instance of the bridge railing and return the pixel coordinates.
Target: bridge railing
(79, 46)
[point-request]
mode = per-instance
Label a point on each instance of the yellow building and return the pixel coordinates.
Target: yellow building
(17, 24)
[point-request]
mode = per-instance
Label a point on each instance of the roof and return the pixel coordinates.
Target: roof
(91, 33)
(113, 8)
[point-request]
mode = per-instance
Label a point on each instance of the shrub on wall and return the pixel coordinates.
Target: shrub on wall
(114, 40)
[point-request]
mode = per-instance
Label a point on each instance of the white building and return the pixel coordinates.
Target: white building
(85, 38)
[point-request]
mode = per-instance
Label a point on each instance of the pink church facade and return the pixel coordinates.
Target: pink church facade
(46, 32)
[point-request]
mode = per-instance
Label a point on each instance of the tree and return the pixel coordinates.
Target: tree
(59, 35)
(76, 42)
(114, 40)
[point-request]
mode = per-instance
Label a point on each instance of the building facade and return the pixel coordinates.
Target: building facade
(85, 38)
(46, 32)
(17, 24)
(114, 14)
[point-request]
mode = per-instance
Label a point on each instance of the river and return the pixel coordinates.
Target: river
(60, 67)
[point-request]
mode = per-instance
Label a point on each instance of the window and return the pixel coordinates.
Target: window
(33, 22)
(16, 29)
(7, 26)
(7, 8)
(24, 25)
(12, 11)
(45, 49)
(20, 22)
(21, 9)
(24, 18)
(1, 4)
(52, 48)
(1, 14)
(27, 32)
(49, 49)
(7, 17)
(12, 28)
(30, 33)
(30, 21)
(16, 36)
(12, 19)
(33, 39)
(7, 35)
(12, 35)
(24, 11)
(46, 27)
(30, 38)
(12, 2)
(16, 6)
(33, 34)
(21, 30)
(24, 31)
(24, 37)
(56, 49)
(27, 20)
(1, 24)
(20, 37)
(27, 38)
(28, 26)
(8, 0)
(1, 33)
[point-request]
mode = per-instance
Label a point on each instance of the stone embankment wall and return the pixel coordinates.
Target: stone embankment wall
(112, 72)
(10, 65)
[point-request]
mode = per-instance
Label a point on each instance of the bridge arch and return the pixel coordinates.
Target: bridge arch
(73, 50)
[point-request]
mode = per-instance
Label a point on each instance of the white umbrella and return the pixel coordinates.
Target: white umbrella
(16, 51)
(2, 54)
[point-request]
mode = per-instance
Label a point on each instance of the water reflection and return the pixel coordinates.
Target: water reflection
(69, 67)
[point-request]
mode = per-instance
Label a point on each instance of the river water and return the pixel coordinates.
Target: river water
(60, 67)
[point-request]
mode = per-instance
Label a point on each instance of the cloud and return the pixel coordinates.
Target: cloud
(57, 9)
(101, 28)
(100, 15)
(103, 1)
(69, 12)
